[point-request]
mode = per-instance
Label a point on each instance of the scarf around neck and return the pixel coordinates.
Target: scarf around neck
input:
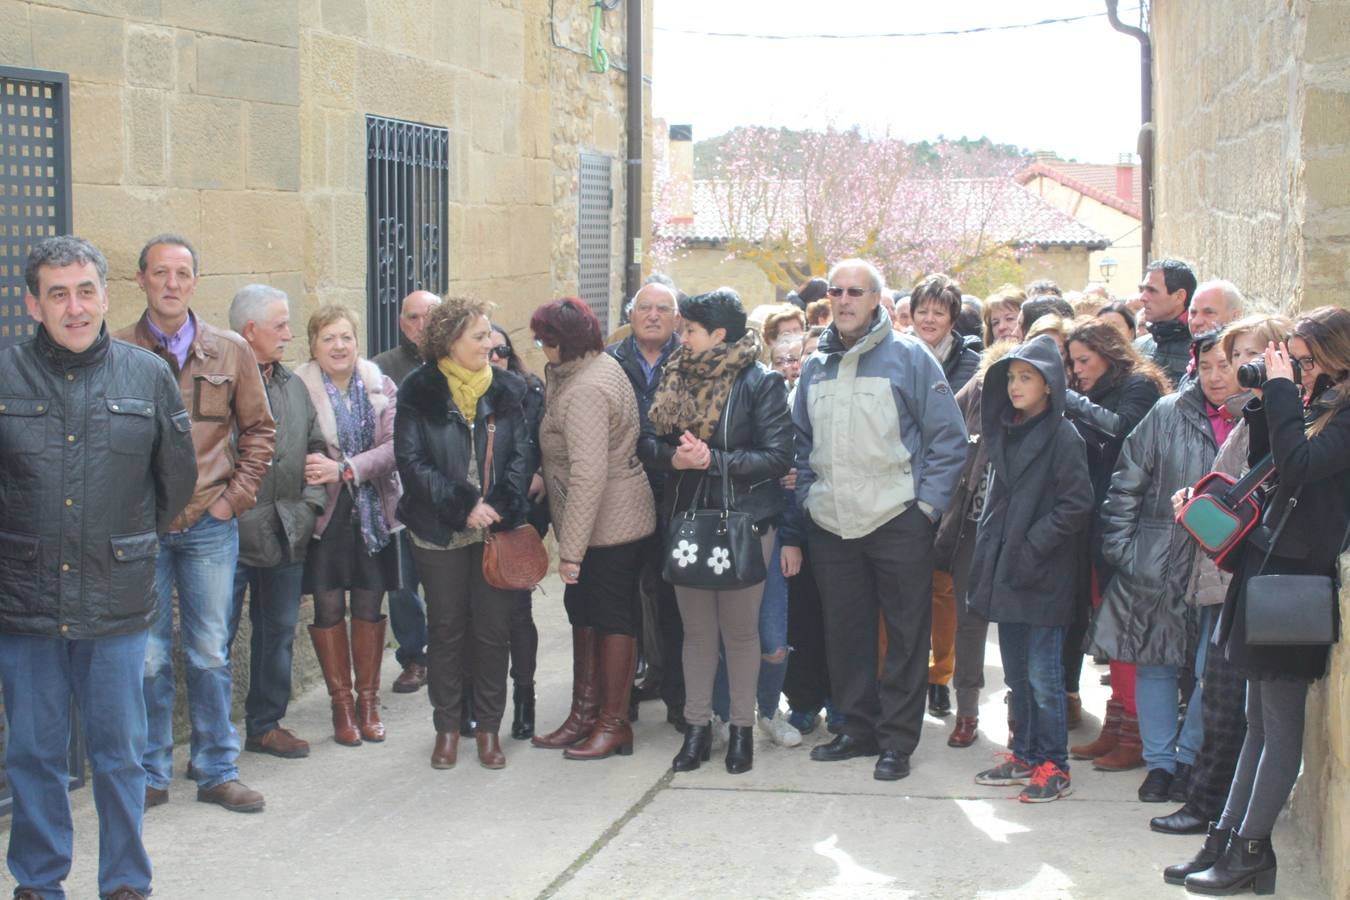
(694, 386)
(466, 387)
(356, 434)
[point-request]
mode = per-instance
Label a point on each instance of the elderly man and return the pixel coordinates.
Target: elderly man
(1216, 303)
(276, 532)
(1166, 292)
(96, 459)
(880, 447)
(654, 314)
(233, 433)
(407, 610)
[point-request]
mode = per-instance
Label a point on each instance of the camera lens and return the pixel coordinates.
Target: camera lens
(1252, 374)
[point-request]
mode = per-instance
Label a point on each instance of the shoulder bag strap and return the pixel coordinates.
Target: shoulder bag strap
(726, 446)
(1279, 529)
(487, 457)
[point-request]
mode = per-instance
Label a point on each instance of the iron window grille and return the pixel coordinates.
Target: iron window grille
(595, 202)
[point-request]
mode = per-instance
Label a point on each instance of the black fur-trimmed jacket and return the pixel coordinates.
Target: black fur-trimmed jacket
(432, 443)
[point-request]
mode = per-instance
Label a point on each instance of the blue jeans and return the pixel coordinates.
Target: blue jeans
(273, 610)
(1033, 668)
(40, 677)
(773, 626)
(201, 562)
(407, 609)
(1156, 696)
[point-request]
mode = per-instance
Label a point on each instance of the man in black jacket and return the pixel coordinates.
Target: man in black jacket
(1166, 292)
(654, 315)
(96, 459)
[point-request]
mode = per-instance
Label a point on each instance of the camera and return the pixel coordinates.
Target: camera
(1253, 374)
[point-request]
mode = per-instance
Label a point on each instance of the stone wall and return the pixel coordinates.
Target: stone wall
(1066, 266)
(699, 269)
(1252, 116)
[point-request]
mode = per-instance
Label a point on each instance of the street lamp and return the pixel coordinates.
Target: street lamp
(1107, 267)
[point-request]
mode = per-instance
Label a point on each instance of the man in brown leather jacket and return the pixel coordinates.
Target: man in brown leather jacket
(233, 435)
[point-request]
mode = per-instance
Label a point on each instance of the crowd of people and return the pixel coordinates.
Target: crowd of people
(891, 473)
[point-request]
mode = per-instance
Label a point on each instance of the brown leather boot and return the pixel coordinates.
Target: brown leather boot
(445, 753)
(1106, 738)
(367, 654)
(330, 645)
(490, 754)
(581, 719)
(612, 733)
(1129, 750)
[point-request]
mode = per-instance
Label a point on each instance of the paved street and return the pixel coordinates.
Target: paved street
(377, 821)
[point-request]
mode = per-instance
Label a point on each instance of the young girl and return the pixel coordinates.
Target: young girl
(1038, 500)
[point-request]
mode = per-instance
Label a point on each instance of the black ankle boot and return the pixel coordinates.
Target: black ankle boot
(741, 749)
(1247, 863)
(696, 749)
(1215, 843)
(522, 723)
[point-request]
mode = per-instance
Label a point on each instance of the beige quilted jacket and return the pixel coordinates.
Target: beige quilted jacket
(598, 494)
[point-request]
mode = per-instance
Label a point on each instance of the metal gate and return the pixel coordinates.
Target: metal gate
(407, 203)
(34, 181)
(594, 202)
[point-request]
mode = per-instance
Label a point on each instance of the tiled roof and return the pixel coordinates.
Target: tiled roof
(999, 208)
(1090, 180)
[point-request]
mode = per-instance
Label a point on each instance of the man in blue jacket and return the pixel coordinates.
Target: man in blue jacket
(880, 448)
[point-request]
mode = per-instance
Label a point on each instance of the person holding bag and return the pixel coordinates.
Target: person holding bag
(463, 453)
(719, 427)
(1303, 533)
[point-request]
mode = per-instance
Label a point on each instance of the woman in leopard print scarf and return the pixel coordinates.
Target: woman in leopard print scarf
(694, 386)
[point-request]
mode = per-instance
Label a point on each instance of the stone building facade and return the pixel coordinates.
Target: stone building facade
(1252, 137)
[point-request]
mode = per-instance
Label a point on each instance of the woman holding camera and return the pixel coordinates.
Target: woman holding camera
(1303, 533)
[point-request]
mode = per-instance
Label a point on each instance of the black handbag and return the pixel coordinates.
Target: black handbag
(1293, 609)
(713, 549)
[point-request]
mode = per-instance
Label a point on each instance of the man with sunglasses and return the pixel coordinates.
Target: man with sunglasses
(880, 448)
(407, 611)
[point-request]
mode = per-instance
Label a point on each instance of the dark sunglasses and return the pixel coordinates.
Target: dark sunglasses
(501, 351)
(852, 292)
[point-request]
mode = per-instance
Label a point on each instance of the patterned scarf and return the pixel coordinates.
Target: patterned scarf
(356, 434)
(695, 386)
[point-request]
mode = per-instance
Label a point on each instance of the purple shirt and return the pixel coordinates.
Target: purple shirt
(180, 344)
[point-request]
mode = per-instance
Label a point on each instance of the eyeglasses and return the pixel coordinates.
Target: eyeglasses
(501, 351)
(786, 360)
(1304, 362)
(852, 292)
(646, 308)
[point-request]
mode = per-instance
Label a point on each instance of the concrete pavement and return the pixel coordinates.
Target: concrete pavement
(377, 821)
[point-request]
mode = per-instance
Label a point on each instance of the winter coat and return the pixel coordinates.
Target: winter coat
(876, 430)
(597, 489)
(278, 529)
(1209, 583)
(1169, 345)
(628, 355)
(1144, 617)
(1317, 471)
(962, 361)
(1038, 501)
(1104, 416)
(751, 447)
(96, 459)
(433, 445)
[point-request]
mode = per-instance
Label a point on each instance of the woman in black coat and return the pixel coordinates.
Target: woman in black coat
(1303, 533)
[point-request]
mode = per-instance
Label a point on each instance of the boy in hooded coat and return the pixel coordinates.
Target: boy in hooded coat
(1038, 500)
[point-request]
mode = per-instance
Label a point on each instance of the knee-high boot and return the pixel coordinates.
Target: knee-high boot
(367, 654)
(612, 733)
(581, 719)
(330, 645)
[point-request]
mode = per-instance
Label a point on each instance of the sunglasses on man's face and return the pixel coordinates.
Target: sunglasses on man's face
(501, 351)
(852, 292)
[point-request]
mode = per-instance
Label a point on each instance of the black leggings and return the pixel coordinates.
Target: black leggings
(330, 606)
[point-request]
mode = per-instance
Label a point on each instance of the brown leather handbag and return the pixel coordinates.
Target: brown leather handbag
(513, 560)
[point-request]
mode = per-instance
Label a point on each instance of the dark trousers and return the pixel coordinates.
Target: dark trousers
(456, 592)
(407, 610)
(273, 610)
(605, 597)
(524, 640)
(1223, 714)
(669, 625)
(890, 570)
(807, 685)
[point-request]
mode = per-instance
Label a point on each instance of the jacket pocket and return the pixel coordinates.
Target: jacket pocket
(211, 397)
(131, 425)
(23, 425)
(131, 575)
(18, 570)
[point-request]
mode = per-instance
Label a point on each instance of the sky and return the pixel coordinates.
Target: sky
(1072, 88)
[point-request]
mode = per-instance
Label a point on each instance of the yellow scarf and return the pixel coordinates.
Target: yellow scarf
(465, 386)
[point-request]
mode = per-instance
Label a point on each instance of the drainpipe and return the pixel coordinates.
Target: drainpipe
(1146, 123)
(633, 227)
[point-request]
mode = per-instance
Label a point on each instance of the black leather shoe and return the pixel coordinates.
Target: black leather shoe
(939, 700)
(1216, 842)
(892, 766)
(696, 750)
(1184, 821)
(1155, 786)
(1247, 863)
(522, 722)
(844, 747)
(741, 749)
(1181, 784)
